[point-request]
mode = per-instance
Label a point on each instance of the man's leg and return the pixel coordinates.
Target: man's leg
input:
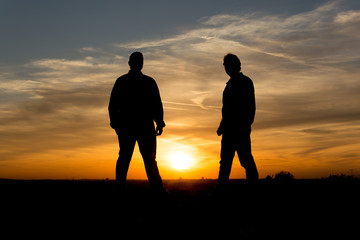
(226, 156)
(127, 144)
(147, 147)
(246, 158)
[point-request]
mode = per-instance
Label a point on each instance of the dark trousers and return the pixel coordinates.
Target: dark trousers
(147, 146)
(241, 144)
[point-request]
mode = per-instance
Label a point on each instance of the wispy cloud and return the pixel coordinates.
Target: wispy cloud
(305, 68)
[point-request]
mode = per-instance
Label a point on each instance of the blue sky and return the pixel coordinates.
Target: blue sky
(59, 61)
(42, 29)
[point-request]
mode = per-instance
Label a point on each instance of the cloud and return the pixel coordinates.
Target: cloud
(309, 38)
(304, 67)
(348, 17)
(64, 106)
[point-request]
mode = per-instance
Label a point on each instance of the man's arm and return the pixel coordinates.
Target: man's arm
(158, 111)
(252, 104)
(220, 130)
(113, 110)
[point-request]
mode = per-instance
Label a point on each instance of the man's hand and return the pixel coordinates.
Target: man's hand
(159, 131)
(219, 131)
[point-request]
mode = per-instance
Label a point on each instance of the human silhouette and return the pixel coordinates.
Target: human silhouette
(134, 105)
(238, 114)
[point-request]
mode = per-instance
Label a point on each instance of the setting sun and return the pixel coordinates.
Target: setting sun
(181, 161)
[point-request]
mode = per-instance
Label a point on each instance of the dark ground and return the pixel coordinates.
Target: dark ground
(81, 209)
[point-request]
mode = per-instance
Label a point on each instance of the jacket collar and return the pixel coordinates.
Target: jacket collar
(235, 78)
(135, 72)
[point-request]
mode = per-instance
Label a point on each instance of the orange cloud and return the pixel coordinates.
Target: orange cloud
(54, 123)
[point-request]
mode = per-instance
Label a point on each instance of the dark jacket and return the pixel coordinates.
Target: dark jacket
(238, 110)
(135, 103)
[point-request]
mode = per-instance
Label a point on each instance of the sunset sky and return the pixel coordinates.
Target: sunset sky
(60, 59)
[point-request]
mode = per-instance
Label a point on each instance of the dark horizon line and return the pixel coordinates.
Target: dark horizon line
(174, 179)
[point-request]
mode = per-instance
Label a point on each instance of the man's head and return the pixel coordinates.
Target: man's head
(232, 64)
(136, 61)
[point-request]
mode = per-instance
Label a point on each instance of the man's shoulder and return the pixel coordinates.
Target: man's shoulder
(148, 77)
(123, 77)
(239, 80)
(246, 78)
(148, 81)
(130, 77)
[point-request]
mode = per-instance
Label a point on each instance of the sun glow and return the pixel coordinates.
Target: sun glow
(181, 161)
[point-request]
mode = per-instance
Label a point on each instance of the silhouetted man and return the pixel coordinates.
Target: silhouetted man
(134, 105)
(238, 114)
